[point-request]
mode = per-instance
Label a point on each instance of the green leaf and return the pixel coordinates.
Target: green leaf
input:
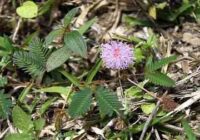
(107, 101)
(148, 108)
(197, 14)
(28, 10)
(69, 16)
(5, 46)
(86, 26)
(81, 102)
(138, 55)
(21, 120)
(172, 15)
(161, 5)
(53, 35)
(71, 78)
(75, 42)
(63, 91)
(57, 58)
(153, 12)
(55, 89)
(39, 124)
(134, 91)
(46, 105)
(30, 37)
(46, 6)
(5, 105)
(160, 63)
(25, 92)
(188, 130)
(185, 6)
(19, 136)
(3, 81)
(93, 71)
(133, 21)
(34, 60)
(160, 79)
(148, 97)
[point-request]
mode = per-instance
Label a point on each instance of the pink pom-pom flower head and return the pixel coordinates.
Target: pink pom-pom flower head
(117, 55)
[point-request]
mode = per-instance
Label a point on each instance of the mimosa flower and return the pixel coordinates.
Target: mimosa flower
(117, 55)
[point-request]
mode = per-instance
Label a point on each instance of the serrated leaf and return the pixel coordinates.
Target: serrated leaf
(34, 60)
(86, 26)
(19, 136)
(57, 58)
(69, 16)
(21, 120)
(5, 105)
(148, 108)
(188, 130)
(160, 79)
(81, 102)
(28, 10)
(107, 101)
(75, 42)
(160, 63)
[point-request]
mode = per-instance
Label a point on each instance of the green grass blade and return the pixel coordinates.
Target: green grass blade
(93, 71)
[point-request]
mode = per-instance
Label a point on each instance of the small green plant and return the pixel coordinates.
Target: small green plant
(73, 42)
(39, 60)
(23, 121)
(107, 102)
(154, 75)
(169, 11)
(34, 60)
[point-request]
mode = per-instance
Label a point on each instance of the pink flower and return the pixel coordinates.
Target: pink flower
(117, 55)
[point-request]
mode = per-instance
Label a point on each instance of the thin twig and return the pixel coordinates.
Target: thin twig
(178, 129)
(3, 133)
(149, 120)
(120, 83)
(16, 29)
(157, 134)
(12, 130)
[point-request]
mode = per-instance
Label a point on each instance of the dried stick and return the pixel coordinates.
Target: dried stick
(149, 120)
(16, 29)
